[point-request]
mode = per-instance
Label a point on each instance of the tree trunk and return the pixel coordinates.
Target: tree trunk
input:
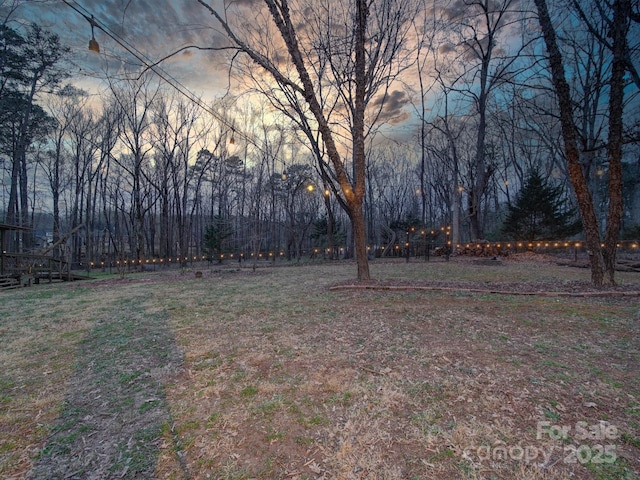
(12, 209)
(55, 193)
(619, 28)
(576, 175)
(359, 153)
(479, 186)
(21, 152)
(360, 244)
(24, 201)
(330, 225)
(455, 218)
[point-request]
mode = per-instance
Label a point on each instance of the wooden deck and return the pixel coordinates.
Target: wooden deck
(9, 281)
(21, 270)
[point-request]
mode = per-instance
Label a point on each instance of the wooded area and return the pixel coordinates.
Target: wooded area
(410, 117)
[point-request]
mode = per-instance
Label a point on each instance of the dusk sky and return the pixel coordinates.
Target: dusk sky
(154, 28)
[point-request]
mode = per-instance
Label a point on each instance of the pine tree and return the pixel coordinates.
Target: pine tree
(215, 235)
(540, 213)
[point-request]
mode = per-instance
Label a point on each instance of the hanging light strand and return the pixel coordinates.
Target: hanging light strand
(155, 68)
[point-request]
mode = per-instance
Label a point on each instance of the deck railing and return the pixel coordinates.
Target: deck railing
(33, 266)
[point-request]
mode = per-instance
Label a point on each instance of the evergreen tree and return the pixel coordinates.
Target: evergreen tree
(320, 232)
(215, 235)
(29, 66)
(540, 213)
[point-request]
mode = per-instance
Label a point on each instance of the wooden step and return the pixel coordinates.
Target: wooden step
(8, 282)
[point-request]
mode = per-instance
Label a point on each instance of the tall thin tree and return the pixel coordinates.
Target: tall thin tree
(344, 58)
(602, 258)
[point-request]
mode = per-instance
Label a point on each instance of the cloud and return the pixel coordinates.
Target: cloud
(455, 9)
(393, 105)
(155, 28)
(446, 48)
(249, 3)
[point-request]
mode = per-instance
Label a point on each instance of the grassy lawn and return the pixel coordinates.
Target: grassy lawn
(269, 375)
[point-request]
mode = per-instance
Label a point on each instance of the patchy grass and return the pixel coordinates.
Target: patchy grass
(282, 378)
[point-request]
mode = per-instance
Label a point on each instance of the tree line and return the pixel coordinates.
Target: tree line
(386, 115)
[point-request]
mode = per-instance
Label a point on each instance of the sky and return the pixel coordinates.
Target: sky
(151, 28)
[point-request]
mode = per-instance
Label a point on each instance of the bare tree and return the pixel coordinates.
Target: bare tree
(107, 131)
(64, 108)
(135, 99)
(482, 64)
(621, 12)
(81, 155)
(449, 190)
(178, 128)
(341, 59)
(602, 258)
(394, 191)
(426, 28)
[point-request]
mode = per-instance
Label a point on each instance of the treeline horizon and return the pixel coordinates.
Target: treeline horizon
(145, 170)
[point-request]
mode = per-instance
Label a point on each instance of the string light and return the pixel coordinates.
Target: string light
(93, 45)
(149, 65)
(631, 244)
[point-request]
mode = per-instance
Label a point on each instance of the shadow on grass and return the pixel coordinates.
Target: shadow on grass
(114, 416)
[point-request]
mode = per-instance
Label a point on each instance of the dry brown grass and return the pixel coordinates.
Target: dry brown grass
(38, 337)
(282, 378)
